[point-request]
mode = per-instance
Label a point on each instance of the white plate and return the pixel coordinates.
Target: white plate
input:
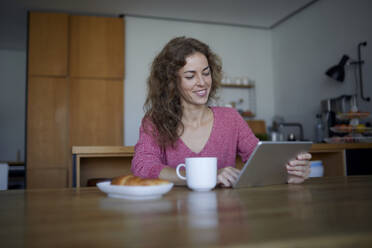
(134, 192)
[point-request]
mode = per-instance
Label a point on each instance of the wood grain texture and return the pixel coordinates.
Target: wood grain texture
(103, 167)
(334, 163)
(257, 126)
(47, 177)
(332, 155)
(72, 100)
(48, 44)
(96, 112)
(80, 150)
(337, 147)
(96, 47)
(327, 212)
(47, 124)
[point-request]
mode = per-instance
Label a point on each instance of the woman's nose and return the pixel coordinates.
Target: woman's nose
(200, 80)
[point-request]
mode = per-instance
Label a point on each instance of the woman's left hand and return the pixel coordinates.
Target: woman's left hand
(299, 168)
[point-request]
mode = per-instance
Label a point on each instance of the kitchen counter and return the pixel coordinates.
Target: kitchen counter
(333, 156)
(106, 161)
(323, 147)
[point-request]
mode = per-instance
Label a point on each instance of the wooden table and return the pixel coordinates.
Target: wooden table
(323, 212)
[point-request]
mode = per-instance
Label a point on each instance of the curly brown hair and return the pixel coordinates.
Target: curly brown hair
(163, 101)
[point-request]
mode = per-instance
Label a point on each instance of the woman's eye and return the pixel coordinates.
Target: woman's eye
(189, 77)
(206, 73)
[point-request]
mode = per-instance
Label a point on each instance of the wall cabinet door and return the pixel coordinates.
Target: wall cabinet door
(48, 44)
(96, 112)
(47, 130)
(97, 47)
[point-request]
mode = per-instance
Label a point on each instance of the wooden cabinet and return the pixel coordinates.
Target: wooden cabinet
(48, 44)
(96, 107)
(97, 45)
(75, 91)
(47, 125)
(100, 162)
(335, 159)
(47, 131)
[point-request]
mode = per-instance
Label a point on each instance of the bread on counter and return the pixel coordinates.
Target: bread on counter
(131, 180)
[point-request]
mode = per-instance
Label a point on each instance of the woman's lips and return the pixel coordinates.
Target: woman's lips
(201, 93)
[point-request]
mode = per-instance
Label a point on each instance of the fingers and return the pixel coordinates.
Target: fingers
(299, 169)
(302, 174)
(304, 156)
(294, 163)
(228, 176)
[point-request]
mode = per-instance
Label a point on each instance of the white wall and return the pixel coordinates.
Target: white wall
(306, 45)
(243, 51)
(12, 104)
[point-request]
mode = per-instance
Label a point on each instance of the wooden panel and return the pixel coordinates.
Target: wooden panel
(46, 178)
(96, 113)
(338, 147)
(97, 47)
(103, 150)
(257, 126)
(48, 44)
(47, 123)
(333, 162)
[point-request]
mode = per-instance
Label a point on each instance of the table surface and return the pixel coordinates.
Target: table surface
(322, 212)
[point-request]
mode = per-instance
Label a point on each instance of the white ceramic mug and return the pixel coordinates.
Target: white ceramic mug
(201, 173)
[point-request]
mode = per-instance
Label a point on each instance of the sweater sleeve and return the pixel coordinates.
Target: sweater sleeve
(148, 156)
(247, 141)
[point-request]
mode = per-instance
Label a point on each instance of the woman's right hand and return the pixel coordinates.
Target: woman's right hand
(226, 177)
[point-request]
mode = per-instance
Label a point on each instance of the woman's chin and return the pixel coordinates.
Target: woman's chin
(197, 101)
(201, 102)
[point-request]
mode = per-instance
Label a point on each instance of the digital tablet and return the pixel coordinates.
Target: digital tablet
(266, 165)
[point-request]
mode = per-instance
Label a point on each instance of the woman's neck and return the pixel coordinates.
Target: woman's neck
(195, 115)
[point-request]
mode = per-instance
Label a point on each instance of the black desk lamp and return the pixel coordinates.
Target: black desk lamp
(337, 72)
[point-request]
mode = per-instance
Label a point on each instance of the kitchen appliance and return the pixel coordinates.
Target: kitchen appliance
(332, 106)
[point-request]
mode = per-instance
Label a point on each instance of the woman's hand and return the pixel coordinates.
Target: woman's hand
(299, 168)
(227, 176)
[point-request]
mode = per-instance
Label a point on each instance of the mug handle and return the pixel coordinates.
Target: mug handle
(178, 171)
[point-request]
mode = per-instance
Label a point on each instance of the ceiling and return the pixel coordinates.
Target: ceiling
(251, 13)
(262, 14)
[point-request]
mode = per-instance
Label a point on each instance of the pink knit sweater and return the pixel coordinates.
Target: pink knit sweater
(230, 136)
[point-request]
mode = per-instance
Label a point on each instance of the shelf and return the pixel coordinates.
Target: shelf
(348, 139)
(237, 86)
(352, 115)
(350, 129)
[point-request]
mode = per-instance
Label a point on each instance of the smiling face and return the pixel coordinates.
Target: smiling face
(195, 80)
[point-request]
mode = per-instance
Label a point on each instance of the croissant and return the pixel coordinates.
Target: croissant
(131, 180)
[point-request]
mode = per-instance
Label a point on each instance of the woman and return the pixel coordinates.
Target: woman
(179, 123)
